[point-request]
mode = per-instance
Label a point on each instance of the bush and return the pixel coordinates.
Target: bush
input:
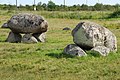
(115, 14)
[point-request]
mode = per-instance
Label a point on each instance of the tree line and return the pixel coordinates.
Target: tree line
(51, 6)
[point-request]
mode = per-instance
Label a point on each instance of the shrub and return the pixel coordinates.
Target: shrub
(115, 14)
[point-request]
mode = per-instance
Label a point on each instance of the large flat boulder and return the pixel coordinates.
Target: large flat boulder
(26, 23)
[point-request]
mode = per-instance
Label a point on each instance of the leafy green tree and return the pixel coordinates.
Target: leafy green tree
(39, 3)
(84, 7)
(39, 6)
(44, 6)
(109, 7)
(51, 6)
(99, 6)
(116, 7)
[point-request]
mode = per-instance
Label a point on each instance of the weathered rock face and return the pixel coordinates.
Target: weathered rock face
(33, 26)
(89, 35)
(14, 38)
(28, 38)
(27, 23)
(40, 37)
(74, 50)
(102, 50)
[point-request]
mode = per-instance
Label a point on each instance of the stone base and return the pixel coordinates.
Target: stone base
(27, 38)
(14, 37)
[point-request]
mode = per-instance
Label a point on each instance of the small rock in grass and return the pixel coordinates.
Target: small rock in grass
(28, 38)
(102, 50)
(74, 50)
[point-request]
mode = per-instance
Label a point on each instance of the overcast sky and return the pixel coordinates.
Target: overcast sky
(68, 2)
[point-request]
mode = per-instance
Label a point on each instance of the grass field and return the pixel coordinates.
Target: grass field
(45, 61)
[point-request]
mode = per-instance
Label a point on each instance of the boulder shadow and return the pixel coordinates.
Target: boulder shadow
(1, 41)
(93, 53)
(59, 55)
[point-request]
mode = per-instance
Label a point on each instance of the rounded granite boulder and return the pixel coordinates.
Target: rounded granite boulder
(88, 35)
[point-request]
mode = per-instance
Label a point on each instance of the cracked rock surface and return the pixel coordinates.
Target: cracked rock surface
(92, 36)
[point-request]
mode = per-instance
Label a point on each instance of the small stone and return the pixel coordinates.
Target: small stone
(28, 38)
(102, 50)
(74, 50)
(40, 37)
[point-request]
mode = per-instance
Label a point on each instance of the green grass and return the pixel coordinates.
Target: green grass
(45, 61)
(66, 14)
